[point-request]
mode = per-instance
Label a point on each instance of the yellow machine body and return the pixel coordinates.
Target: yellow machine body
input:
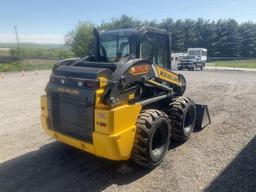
(114, 131)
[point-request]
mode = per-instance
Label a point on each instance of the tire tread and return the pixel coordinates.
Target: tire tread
(143, 124)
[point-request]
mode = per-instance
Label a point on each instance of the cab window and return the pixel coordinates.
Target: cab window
(114, 47)
(155, 48)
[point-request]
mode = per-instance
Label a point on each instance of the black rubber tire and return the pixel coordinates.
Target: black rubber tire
(152, 138)
(182, 88)
(182, 115)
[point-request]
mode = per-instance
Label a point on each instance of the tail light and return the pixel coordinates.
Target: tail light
(87, 83)
(53, 79)
(92, 84)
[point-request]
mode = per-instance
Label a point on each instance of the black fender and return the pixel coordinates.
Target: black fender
(124, 76)
(64, 62)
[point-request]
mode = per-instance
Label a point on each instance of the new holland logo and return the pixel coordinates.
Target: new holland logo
(166, 75)
(140, 69)
(163, 74)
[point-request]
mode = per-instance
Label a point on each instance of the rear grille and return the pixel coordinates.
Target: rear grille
(71, 115)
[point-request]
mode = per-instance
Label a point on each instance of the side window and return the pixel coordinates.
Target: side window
(148, 48)
(163, 50)
(156, 48)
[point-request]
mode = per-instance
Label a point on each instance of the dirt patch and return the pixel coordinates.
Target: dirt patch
(219, 158)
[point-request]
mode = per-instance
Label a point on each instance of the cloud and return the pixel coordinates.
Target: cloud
(40, 39)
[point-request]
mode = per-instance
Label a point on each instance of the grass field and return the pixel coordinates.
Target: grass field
(239, 63)
(27, 65)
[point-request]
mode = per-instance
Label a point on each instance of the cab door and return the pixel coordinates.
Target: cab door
(155, 47)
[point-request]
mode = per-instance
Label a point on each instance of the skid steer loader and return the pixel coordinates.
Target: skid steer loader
(121, 102)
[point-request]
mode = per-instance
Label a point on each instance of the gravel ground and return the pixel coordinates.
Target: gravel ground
(219, 158)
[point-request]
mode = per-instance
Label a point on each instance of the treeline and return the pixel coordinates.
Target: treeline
(222, 38)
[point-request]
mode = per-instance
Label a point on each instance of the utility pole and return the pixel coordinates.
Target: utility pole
(17, 37)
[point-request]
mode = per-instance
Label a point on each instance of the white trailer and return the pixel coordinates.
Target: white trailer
(201, 53)
(176, 57)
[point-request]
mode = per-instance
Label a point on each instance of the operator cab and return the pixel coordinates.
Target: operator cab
(117, 44)
(147, 43)
(116, 47)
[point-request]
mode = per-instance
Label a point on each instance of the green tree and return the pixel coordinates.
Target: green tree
(12, 52)
(226, 39)
(222, 38)
(178, 36)
(205, 31)
(247, 33)
(81, 39)
(118, 23)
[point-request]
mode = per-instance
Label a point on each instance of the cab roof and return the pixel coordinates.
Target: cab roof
(140, 30)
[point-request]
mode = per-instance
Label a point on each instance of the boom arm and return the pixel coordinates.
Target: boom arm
(131, 79)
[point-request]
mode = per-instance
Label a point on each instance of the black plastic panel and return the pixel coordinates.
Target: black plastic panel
(72, 115)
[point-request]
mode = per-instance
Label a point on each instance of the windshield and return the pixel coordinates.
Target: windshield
(114, 46)
(194, 52)
(189, 57)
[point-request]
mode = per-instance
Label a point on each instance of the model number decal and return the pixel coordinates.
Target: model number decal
(70, 91)
(140, 69)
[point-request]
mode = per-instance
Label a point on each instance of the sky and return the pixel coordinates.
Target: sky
(47, 21)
